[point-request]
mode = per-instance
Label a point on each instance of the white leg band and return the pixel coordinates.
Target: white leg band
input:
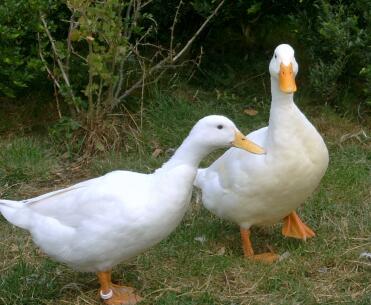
(106, 296)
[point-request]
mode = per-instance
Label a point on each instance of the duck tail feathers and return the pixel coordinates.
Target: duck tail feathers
(11, 203)
(14, 213)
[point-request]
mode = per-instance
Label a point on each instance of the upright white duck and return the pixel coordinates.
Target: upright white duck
(264, 189)
(96, 224)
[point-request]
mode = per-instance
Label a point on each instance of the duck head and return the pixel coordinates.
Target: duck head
(216, 131)
(284, 68)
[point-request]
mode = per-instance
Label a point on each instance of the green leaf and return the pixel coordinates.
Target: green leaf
(253, 9)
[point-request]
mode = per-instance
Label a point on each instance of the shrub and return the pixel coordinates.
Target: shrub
(109, 53)
(337, 47)
(19, 63)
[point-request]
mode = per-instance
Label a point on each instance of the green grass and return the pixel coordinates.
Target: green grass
(23, 160)
(182, 270)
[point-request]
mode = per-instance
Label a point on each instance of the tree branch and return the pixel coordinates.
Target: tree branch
(189, 43)
(46, 64)
(60, 65)
(173, 28)
(169, 58)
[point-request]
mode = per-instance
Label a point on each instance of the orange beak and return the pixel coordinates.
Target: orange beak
(242, 142)
(287, 79)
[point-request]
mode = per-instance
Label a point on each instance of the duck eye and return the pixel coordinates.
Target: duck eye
(220, 126)
(275, 56)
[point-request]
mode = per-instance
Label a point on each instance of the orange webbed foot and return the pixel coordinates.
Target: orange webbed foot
(294, 227)
(268, 257)
(123, 288)
(248, 251)
(113, 294)
(122, 295)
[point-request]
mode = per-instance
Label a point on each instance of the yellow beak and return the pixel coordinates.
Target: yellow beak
(287, 79)
(242, 142)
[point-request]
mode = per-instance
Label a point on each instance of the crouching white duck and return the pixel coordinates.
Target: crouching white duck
(264, 189)
(96, 224)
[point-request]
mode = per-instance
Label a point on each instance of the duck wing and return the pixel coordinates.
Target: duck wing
(101, 198)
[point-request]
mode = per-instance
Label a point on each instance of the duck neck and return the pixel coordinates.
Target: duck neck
(280, 118)
(282, 106)
(190, 153)
(279, 98)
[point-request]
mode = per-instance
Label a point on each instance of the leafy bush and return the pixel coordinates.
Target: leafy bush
(108, 54)
(19, 63)
(100, 55)
(332, 40)
(366, 73)
(63, 134)
(337, 44)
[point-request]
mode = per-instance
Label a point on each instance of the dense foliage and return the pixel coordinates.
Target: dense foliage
(19, 63)
(332, 40)
(339, 48)
(334, 35)
(101, 54)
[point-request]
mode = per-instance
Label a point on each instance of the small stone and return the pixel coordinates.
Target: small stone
(284, 256)
(221, 251)
(200, 239)
(365, 255)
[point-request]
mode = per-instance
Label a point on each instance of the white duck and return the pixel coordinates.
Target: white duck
(264, 189)
(96, 224)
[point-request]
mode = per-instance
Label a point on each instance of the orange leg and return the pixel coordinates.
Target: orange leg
(112, 294)
(294, 227)
(248, 251)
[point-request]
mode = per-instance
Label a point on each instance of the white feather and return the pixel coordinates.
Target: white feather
(96, 224)
(253, 189)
